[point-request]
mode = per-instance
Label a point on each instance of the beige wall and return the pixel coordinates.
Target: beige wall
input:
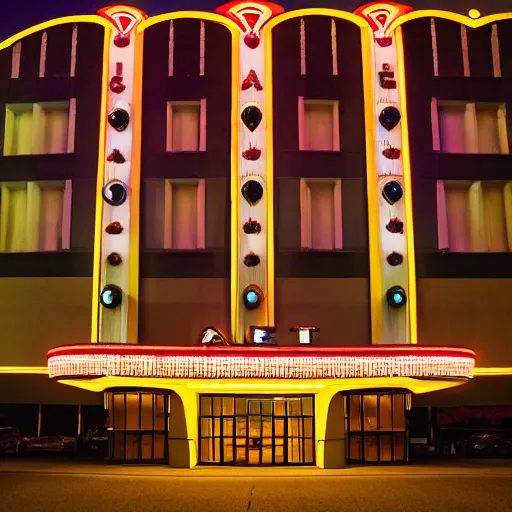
(37, 314)
(473, 313)
(175, 311)
(339, 307)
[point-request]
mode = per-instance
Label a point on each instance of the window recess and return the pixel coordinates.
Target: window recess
(35, 216)
(321, 214)
(40, 128)
(186, 126)
(474, 216)
(463, 127)
(319, 125)
(175, 214)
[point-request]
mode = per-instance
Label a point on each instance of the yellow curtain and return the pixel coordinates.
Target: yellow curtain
(22, 122)
(477, 223)
(494, 218)
(487, 130)
(55, 130)
(457, 213)
(321, 203)
(184, 216)
(50, 231)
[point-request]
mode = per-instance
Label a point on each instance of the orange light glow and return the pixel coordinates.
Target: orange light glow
(250, 16)
(380, 15)
(124, 17)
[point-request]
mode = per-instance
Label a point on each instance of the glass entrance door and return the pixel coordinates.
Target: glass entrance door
(256, 430)
(137, 426)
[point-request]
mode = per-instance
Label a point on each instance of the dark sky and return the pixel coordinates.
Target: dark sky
(20, 14)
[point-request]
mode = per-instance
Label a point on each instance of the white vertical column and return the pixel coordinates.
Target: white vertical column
(116, 243)
(391, 217)
(252, 262)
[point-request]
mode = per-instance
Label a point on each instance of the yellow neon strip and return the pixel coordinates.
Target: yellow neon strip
(133, 253)
(235, 189)
(479, 372)
(208, 16)
(372, 188)
(409, 218)
(52, 23)
(269, 151)
(34, 370)
(43, 370)
(269, 385)
(98, 216)
(452, 16)
(332, 13)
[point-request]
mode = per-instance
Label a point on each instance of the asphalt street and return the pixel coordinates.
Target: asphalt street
(57, 489)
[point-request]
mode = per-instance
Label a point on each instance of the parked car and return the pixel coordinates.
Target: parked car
(10, 437)
(489, 445)
(51, 444)
(95, 442)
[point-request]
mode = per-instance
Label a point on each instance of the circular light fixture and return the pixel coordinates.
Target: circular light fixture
(474, 13)
(396, 297)
(114, 192)
(392, 192)
(118, 118)
(252, 296)
(111, 296)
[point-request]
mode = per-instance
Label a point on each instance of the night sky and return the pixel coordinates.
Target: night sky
(20, 14)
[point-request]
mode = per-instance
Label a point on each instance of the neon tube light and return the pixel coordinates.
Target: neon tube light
(260, 363)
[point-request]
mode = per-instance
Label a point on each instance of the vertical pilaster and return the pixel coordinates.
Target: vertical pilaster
(115, 296)
(392, 273)
(252, 202)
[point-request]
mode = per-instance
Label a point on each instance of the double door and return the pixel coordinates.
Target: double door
(257, 431)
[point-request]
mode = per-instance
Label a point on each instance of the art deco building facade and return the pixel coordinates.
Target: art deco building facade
(255, 236)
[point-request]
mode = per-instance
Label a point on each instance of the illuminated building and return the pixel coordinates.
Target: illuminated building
(247, 234)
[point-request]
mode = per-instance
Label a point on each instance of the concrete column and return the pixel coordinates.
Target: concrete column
(330, 430)
(183, 429)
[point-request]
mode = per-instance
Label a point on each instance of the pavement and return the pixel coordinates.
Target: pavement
(56, 485)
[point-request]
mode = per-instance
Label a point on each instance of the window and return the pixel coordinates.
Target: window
(250, 430)
(474, 216)
(376, 426)
(186, 126)
(35, 216)
(318, 125)
(320, 211)
(138, 426)
(40, 128)
(459, 127)
(175, 214)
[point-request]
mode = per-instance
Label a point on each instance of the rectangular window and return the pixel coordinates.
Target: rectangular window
(186, 126)
(321, 216)
(35, 216)
(175, 216)
(474, 216)
(40, 128)
(319, 125)
(460, 127)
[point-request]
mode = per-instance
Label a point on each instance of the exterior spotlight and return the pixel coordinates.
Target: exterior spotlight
(252, 296)
(305, 334)
(111, 296)
(392, 192)
(261, 335)
(114, 192)
(211, 336)
(396, 297)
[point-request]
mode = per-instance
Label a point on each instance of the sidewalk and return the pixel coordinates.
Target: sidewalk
(454, 467)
